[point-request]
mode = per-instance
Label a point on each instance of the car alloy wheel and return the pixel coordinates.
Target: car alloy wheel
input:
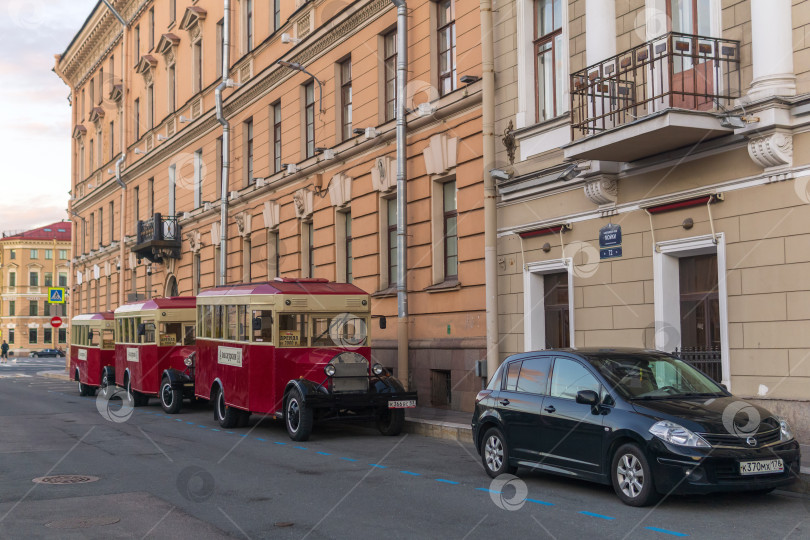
(631, 475)
(493, 453)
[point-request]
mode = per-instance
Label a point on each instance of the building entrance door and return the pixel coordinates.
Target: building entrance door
(700, 314)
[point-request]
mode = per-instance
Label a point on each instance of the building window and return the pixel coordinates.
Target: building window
(247, 22)
(62, 277)
(100, 86)
(392, 242)
(34, 254)
(447, 46)
(136, 206)
(48, 279)
(150, 197)
(700, 303)
(112, 140)
(276, 14)
(219, 38)
(248, 134)
(556, 306)
(137, 36)
(548, 43)
(32, 335)
(92, 155)
(273, 258)
(12, 253)
(276, 108)
(112, 221)
(197, 68)
(100, 227)
(307, 249)
(12, 308)
(348, 249)
(309, 118)
(47, 335)
(12, 279)
(171, 88)
(151, 28)
(92, 87)
(62, 335)
(172, 11)
(11, 336)
(33, 308)
(346, 99)
(137, 112)
(198, 180)
(196, 272)
(48, 254)
(343, 246)
(150, 106)
(450, 219)
(83, 104)
(33, 278)
(390, 69)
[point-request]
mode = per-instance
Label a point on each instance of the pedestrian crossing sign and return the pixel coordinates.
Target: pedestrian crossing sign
(56, 295)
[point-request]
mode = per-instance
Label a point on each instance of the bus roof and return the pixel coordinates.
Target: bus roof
(285, 286)
(101, 316)
(174, 302)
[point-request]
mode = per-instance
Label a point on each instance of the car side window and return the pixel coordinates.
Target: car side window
(513, 370)
(534, 375)
(569, 377)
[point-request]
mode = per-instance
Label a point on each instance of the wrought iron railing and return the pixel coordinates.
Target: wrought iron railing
(706, 360)
(675, 70)
(158, 228)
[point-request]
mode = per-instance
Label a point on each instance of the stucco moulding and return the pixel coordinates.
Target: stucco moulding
(304, 203)
(271, 212)
(384, 174)
(244, 221)
(772, 152)
(441, 154)
(602, 190)
(340, 190)
(215, 236)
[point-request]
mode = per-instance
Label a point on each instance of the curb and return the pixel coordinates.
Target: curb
(440, 430)
(57, 374)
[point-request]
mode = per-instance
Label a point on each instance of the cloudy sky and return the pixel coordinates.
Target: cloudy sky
(34, 111)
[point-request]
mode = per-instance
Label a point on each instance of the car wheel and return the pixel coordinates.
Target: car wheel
(171, 399)
(228, 417)
(297, 416)
(495, 454)
(33, 355)
(390, 421)
(632, 477)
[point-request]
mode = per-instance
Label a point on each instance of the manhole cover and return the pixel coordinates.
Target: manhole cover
(82, 523)
(61, 479)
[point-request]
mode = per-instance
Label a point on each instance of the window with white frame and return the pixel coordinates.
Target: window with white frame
(549, 60)
(198, 180)
(444, 230)
(447, 46)
(343, 246)
(247, 25)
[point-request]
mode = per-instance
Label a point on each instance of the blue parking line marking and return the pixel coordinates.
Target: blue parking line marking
(202, 425)
(411, 473)
(300, 447)
(276, 442)
(378, 466)
(324, 453)
(260, 439)
(443, 481)
(600, 516)
(665, 531)
(192, 423)
(488, 490)
(229, 432)
(347, 459)
(536, 501)
(178, 419)
(214, 429)
(244, 435)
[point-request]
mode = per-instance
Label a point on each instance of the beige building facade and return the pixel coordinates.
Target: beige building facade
(682, 124)
(31, 262)
(312, 162)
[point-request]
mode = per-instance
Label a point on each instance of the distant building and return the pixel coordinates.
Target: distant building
(30, 263)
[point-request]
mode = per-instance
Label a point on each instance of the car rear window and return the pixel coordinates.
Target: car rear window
(533, 375)
(512, 373)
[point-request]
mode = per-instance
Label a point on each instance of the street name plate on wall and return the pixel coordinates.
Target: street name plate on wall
(610, 236)
(610, 253)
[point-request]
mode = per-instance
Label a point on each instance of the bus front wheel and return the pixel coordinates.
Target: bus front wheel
(228, 417)
(171, 399)
(390, 421)
(297, 416)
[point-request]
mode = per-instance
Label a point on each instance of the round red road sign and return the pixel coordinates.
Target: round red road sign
(56, 322)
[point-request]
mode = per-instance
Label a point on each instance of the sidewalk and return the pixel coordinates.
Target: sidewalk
(439, 423)
(54, 374)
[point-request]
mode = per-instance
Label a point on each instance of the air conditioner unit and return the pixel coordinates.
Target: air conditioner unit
(292, 168)
(260, 182)
(371, 133)
(328, 154)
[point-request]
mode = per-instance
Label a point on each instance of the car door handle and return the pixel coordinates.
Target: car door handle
(504, 402)
(550, 409)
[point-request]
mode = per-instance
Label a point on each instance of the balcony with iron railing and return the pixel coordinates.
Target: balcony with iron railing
(659, 96)
(158, 238)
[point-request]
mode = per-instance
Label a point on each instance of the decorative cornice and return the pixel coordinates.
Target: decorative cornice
(772, 150)
(603, 189)
(192, 16)
(79, 131)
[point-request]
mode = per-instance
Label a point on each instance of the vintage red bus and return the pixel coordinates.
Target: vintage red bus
(296, 349)
(92, 350)
(153, 341)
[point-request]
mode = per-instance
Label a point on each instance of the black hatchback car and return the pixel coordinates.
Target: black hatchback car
(48, 353)
(643, 421)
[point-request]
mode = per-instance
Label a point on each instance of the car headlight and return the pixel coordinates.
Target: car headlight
(677, 434)
(377, 369)
(329, 369)
(785, 433)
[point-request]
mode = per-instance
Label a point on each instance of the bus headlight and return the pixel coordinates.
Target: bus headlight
(377, 369)
(329, 369)
(188, 361)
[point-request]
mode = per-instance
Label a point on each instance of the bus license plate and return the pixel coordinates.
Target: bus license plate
(766, 466)
(404, 404)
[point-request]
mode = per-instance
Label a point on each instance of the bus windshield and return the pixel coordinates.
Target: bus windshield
(343, 330)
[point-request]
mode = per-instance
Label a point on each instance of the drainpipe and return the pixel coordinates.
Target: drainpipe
(402, 199)
(490, 216)
(226, 142)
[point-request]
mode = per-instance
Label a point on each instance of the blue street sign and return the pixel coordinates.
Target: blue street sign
(56, 295)
(610, 235)
(610, 253)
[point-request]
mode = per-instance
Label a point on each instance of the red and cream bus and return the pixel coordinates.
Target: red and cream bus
(296, 349)
(154, 343)
(92, 350)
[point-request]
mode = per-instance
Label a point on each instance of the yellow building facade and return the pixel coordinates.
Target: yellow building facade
(311, 165)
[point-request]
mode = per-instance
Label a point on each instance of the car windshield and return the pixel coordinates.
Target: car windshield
(654, 377)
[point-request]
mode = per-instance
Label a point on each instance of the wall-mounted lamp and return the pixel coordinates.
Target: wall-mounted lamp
(369, 132)
(292, 168)
(328, 153)
(183, 119)
(287, 38)
(298, 67)
(161, 137)
(139, 151)
(500, 174)
(469, 79)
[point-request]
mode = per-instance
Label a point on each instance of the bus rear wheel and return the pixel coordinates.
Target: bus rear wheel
(171, 399)
(138, 399)
(228, 417)
(297, 416)
(390, 421)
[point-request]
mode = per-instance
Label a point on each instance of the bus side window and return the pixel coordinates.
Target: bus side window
(170, 333)
(108, 340)
(231, 323)
(244, 330)
(189, 334)
(292, 330)
(263, 326)
(217, 322)
(149, 332)
(95, 340)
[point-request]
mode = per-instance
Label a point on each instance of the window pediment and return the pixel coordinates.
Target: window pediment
(191, 20)
(96, 115)
(146, 63)
(79, 131)
(117, 93)
(166, 46)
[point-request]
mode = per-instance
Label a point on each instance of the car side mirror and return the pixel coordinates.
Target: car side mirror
(383, 322)
(588, 397)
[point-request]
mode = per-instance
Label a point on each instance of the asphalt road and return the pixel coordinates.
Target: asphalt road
(183, 477)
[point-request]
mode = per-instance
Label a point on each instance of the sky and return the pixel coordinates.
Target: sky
(34, 110)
